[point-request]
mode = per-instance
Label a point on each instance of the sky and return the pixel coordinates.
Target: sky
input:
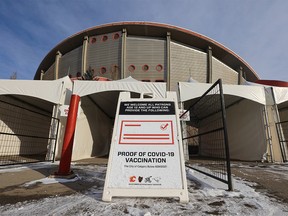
(255, 30)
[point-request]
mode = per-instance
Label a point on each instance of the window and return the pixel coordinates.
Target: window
(93, 40)
(159, 68)
(145, 67)
(131, 68)
(104, 38)
(103, 70)
(116, 36)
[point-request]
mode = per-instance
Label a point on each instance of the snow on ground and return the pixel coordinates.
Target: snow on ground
(51, 180)
(207, 197)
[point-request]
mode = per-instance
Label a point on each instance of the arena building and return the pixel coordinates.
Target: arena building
(149, 52)
(144, 57)
(154, 52)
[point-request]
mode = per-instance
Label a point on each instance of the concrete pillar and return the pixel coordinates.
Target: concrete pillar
(240, 75)
(168, 69)
(209, 65)
(42, 75)
(123, 54)
(57, 61)
(84, 54)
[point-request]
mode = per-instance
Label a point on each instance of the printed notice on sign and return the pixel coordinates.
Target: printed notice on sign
(146, 156)
(146, 132)
(147, 108)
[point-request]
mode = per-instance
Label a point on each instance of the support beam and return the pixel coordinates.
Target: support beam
(240, 75)
(42, 75)
(57, 61)
(168, 50)
(66, 155)
(84, 55)
(123, 54)
(209, 65)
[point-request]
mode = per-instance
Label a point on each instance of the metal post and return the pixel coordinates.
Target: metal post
(230, 184)
(278, 126)
(66, 155)
(53, 134)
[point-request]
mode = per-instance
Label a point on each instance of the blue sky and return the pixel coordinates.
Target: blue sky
(255, 30)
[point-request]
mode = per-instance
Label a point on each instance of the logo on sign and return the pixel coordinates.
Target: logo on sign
(148, 179)
(145, 180)
(132, 178)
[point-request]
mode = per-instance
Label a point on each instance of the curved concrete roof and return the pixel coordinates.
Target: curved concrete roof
(152, 30)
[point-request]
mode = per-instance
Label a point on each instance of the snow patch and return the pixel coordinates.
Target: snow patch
(51, 180)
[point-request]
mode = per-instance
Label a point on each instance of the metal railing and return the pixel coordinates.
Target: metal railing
(282, 131)
(26, 135)
(208, 123)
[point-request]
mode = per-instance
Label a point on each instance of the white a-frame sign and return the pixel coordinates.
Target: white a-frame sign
(146, 156)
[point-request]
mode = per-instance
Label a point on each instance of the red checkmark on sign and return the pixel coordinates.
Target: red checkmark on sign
(164, 126)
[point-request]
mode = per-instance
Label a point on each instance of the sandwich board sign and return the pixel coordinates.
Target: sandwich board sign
(146, 155)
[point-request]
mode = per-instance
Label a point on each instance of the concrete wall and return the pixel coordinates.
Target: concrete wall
(104, 55)
(186, 61)
(70, 63)
(148, 56)
(220, 70)
(143, 58)
(49, 74)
